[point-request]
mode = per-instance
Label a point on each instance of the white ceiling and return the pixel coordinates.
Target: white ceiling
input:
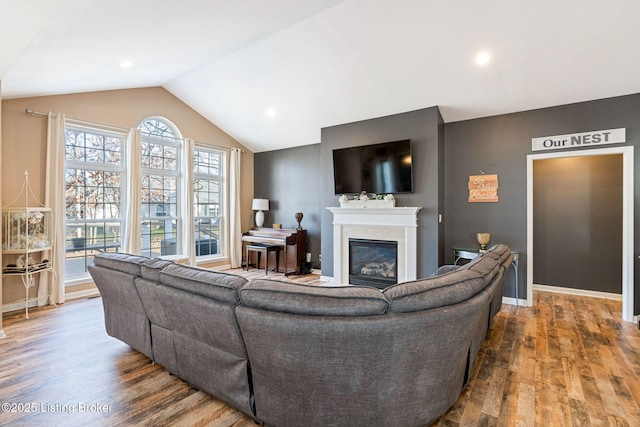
(319, 63)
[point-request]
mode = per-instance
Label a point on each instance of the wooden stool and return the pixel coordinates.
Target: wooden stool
(262, 249)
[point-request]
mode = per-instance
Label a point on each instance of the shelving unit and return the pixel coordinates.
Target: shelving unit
(27, 235)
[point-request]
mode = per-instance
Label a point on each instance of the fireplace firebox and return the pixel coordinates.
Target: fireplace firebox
(373, 262)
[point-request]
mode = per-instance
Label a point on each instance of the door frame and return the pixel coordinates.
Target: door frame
(627, 219)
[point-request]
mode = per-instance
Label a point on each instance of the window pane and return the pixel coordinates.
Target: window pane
(207, 200)
(92, 196)
(159, 237)
(83, 241)
(88, 147)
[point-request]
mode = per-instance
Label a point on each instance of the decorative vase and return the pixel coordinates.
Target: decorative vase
(483, 239)
(299, 216)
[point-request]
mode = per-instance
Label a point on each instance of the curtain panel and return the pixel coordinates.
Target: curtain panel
(235, 226)
(53, 293)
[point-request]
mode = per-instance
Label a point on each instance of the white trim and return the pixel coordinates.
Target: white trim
(2, 334)
(578, 292)
(386, 223)
(627, 220)
(33, 302)
(87, 293)
(512, 301)
(19, 305)
(85, 279)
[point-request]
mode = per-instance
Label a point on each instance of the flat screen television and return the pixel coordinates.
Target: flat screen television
(384, 168)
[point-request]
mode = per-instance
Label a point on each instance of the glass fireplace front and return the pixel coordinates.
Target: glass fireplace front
(373, 262)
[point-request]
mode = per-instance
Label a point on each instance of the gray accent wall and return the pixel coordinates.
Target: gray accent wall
(291, 180)
(577, 222)
(500, 145)
(444, 157)
(426, 131)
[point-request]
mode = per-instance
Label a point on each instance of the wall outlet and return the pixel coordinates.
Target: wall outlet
(319, 257)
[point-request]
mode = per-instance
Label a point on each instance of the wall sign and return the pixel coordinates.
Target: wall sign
(584, 139)
(483, 188)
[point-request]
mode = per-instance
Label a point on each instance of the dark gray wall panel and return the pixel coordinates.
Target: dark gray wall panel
(500, 145)
(577, 222)
(425, 129)
(291, 180)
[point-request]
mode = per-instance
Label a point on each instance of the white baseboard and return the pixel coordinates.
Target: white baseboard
(579, 292)
(512, 301)
(33, 302)
(19, 305)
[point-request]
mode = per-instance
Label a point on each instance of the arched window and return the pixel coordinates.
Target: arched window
(160, 198)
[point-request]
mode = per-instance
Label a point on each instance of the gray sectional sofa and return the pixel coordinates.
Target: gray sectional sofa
(294, 355)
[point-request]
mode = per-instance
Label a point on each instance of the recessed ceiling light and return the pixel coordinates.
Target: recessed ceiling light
(483, 58)
(126, 64)
(271, 113)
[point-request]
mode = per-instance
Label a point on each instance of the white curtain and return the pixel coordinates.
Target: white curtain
(187, 214)
(131, 230)
(235, 226)
(55, 199)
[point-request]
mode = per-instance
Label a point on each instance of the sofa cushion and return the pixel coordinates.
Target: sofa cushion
(486, 265)
(213, 284)
(122, 262)
(501, 251)
(150, 269)
(447, 268)
(275, 295)
(440, 291)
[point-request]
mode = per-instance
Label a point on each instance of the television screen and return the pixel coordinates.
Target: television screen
(377, 168)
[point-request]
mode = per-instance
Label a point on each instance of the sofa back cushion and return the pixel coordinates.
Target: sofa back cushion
(439, 291)
(485, 265)
(150, 269)
(220, 286)
(501, 252)
(126, 263)
(275, 295)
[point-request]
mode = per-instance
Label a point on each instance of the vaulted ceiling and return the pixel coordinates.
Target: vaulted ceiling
(273, 73)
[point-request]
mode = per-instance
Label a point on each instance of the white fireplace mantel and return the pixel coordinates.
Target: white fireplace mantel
(398, 224)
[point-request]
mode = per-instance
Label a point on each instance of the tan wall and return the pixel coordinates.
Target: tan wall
(24, 140)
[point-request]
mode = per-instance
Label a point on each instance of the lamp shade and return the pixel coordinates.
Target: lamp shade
(260, 205)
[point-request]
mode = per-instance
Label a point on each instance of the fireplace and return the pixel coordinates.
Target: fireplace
(397, 224)
(373, 262)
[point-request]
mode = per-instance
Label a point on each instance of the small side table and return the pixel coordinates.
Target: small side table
(470, 253)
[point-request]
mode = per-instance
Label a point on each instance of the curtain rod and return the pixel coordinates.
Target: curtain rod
(78, 121)
(35, 113)
(38, 113)
(217, 146)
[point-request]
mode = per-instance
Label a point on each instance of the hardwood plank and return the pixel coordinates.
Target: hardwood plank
(569, 361)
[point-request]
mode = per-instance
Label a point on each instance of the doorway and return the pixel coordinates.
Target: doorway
(624, 242)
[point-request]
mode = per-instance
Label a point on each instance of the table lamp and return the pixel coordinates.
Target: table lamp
(260, 205)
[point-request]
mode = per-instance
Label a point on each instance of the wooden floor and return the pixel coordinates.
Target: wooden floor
(569, 361)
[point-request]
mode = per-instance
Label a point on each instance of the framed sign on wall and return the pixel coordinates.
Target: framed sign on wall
(483, 188)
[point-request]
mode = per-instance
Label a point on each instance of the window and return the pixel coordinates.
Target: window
(159, 195)
(95, 175)
(94, 178)
(207, 200)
